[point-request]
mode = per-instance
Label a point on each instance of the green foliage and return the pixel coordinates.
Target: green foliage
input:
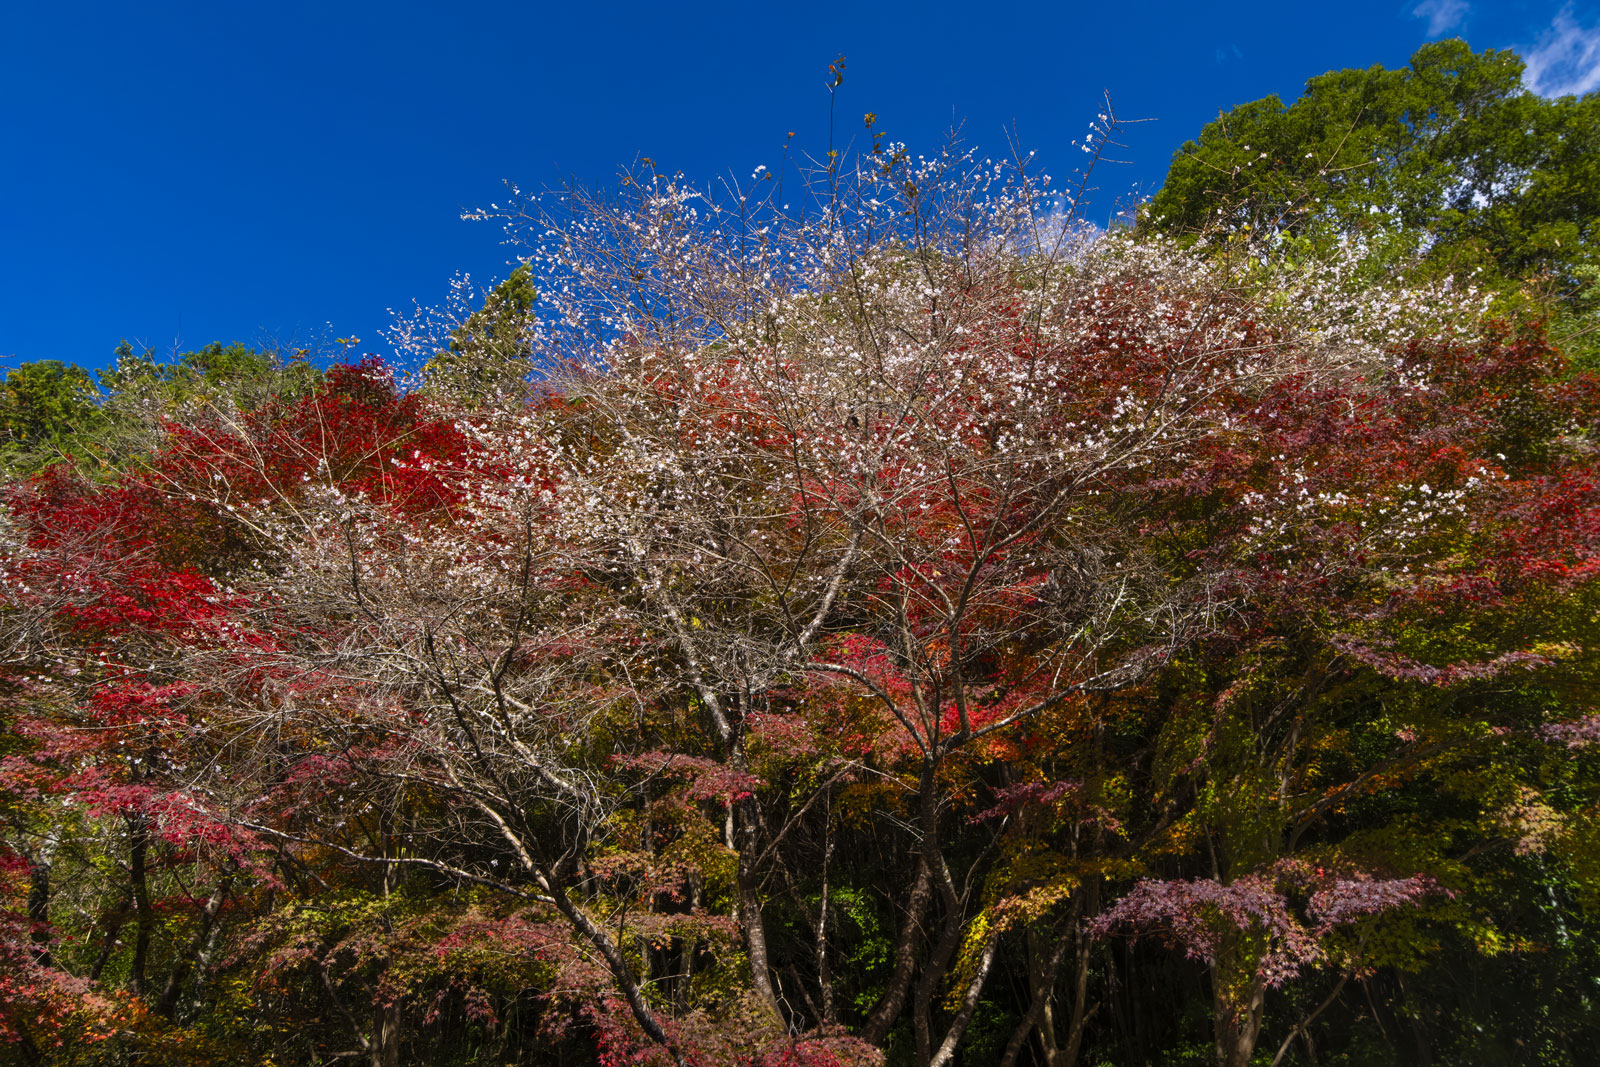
(49, 411)
(52, 411)
(140, 386)
(490, 352)
(1447, 159)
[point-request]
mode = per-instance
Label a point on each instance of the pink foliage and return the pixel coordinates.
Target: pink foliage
(1579, 733)
(1203, 916)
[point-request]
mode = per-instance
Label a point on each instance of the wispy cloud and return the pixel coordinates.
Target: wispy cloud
(1442, 15)
(1566, 59)
(1230, 52)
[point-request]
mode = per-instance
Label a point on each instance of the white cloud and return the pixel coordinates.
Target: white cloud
(1442, 15)
(1565, 60)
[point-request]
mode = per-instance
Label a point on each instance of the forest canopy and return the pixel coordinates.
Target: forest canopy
(913, 628)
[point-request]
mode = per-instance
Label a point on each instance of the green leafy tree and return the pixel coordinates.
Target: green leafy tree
(143, 393)
(1448, 159)
(241, 375)
(52, 411)
(49, 410)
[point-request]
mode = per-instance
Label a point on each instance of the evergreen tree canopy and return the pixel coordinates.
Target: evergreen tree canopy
(46, 408)
(1449, 158)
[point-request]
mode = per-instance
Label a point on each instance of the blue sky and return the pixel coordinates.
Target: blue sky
(251, 171)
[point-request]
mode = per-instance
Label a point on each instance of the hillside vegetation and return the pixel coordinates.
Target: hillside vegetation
(911, 629)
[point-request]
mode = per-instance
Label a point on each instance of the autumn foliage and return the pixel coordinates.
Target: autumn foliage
(911, 632)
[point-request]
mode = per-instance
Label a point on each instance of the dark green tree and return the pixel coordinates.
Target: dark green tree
(49, 411)
(490, 354)
(1448, 160)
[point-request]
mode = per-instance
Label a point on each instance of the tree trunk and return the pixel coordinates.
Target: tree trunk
(385, 1049)
(114, 922)
(1081, 1008)
(1042, 975)
(205, 936)
(591, 932)
(1042, 983)
(969, 1004)
(750, 920)
(1237, 1022)
(39, 868)
(824, 961)
(1419, 1032)
(139, 885)
(202, 973)
(1041, 988)
(888, 1008)
(944, 950)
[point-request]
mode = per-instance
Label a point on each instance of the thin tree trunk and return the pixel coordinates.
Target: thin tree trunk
(1082, 1010)
(932, 873)
(138, 881)
(747, 844)
(204, 936)
(1302, 1028)
(384, 1050)
(969, 1004)
(888, 1008)
(202, 972)
(824, 962)
(938, 963)
(750, 920)
(1419, 1032)
(39, 870)
(591, 932)
(619, 971)
(1238, 1026)
(1041, 987)
(1047, 1001)
(114, 922)
(1042, 976)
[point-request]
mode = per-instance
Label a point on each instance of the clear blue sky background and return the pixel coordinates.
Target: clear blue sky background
(245, 171)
